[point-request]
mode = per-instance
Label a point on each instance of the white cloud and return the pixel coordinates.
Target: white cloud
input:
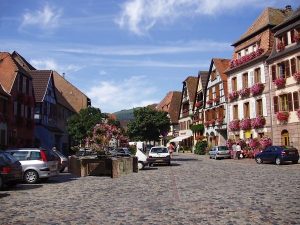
(139, 16)
(111, 96)
(51, 64)
(46, 18)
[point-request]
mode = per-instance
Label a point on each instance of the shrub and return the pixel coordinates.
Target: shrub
(200, 147)
(132, 149)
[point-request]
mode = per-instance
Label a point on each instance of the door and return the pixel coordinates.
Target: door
(285, 138)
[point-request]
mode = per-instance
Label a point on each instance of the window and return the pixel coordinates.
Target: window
(293, 65)
(296, 100)
(246, 110)
(284, 39)
(210, 94)
(284, 69)
(35, 156)
(20, 155)
(257, 75)
(245, 80)
(234, 84)
(292, 35)
(235, 112)
(259, 107)
(217, 91)
(275, 103)
(285, 102)
(273, 69)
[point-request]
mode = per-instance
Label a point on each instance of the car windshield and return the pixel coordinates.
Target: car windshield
(159, 150)
(223, 148)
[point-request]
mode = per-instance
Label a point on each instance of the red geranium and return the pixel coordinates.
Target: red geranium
(283, 116)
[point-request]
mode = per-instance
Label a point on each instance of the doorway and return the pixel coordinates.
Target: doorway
(285, 138)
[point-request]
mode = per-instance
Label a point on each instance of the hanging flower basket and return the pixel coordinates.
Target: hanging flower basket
(245, 124)
(283, 116)
(297, 76)
(280, 46)
(219, 121)
(253, 143)
(265, 142)
(245, 92)
(234, 125)
(209, 102)
(257, 88)
(258, 122)
(280, 82)
(233, 95)
(198, 104)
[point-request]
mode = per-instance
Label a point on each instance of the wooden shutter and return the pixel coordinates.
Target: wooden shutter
(290, 102)
(287, 68)
(273, 72)
(296, 100)
(275, 100)
(217, 90)
(293, 65)
(210, 94)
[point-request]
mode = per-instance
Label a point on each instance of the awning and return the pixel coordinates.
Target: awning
(180, 138)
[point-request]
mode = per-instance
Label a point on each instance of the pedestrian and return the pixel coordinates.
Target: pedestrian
(238, 151)
(171, 149)
(234, 151)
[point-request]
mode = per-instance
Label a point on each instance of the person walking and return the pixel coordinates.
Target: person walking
(171, 149)
(238, 151)
(234, 151)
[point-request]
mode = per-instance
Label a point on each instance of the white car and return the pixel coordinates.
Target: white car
(159, 154)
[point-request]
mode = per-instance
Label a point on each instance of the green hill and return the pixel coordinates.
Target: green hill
(126, 114)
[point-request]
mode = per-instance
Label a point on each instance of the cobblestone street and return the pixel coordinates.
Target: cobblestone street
(194, 190)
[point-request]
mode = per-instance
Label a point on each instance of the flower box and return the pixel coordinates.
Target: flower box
(297, 76)
(209, 102)
(245, 92)
(233, 95)
(279, 82)
(257, 89)
(280, 46)
(245, 124)
(246, 58)
(258, 122)
(234, 125)
(219, 121)
(265, 142)
(283, 116)
(217, 99)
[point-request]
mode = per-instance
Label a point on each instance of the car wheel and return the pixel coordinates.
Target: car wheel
(258, 160)
(31, 176)
(295, 162)
(1, 183)
(278, 161)
(140, 165)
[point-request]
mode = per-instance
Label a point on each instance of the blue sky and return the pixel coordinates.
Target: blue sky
(129, 53)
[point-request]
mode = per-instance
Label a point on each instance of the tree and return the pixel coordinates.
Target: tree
(148, 124)
(81, 125)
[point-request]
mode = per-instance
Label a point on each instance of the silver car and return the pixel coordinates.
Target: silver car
(218, 152)
(36, 163)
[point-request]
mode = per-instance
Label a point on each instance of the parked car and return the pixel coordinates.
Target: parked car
(278, 154)
(63, 160)
(123, 152)
(10, 170)
(218, 152)
(159, 155)
(36, 163)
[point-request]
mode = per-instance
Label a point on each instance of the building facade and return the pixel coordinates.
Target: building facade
(284, 72)
(216, 103)
(248, 78)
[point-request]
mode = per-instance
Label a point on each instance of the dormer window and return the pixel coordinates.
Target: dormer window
(246, 51)
(254, 47)
(239, 55)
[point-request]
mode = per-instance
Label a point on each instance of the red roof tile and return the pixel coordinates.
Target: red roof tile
(40, 82)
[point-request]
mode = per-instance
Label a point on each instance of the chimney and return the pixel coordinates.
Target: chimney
(63, 74)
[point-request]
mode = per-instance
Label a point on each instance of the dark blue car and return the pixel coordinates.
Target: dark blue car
(278, 154)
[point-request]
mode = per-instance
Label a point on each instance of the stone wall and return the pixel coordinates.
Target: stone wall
(113, 167)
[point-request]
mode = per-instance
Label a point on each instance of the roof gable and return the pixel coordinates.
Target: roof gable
(191, 85)
(40, 81)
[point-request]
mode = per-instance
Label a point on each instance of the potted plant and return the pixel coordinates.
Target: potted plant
(245, 92)
(234, 125)
(283, 116)
(258, 122)
(297, 76)
(257, 89)
(233, 95)
(279, 82)
(245, 124)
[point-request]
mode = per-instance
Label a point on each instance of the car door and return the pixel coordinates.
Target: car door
(267, 154)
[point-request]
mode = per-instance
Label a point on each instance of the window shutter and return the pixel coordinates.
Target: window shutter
(287, 68)
(240, 111)
(273, 72)
(252, 108)
(290, 102)
(262, 74)
(251, 78)
(239, 82)
(264, 106)
(296, 100)
(293, 65)
(217, 91)
(230, 113)
(275, 101)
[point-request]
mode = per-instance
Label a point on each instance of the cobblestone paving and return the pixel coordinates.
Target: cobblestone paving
(194, 190)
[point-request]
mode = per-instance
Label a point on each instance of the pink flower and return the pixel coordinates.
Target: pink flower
(258, 122)
(253, 143)
(246, 58)
(297, 76)
(279, 82)
(233, 95)
(265, 142)
(229, 143)
(257, 88)
(245, 92)
(209, 102)
(283, 116)
(245, 124)
(234, 125)
(280, 46)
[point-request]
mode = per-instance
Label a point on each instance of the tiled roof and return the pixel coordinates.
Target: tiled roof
(76, 99)
(22, 62)
(192, 84)
(294, 17)
(269, 17)
(203, 76)
(62, 100)
(40, 83)
(172, 99)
